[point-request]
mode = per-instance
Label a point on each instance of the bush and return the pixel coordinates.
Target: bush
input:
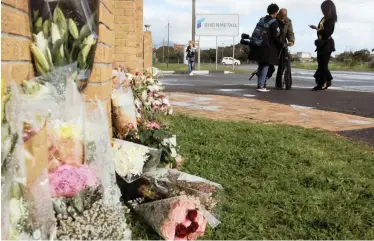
(371, 64)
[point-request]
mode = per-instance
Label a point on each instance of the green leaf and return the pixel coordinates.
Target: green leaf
(56, 54)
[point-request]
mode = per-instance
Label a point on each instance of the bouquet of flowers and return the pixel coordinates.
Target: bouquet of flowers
(64, 32)
(124, 113)
(178, 218)
(147, 91)
(132, 159)
(171, 183)
(89, 218)
(155, 135)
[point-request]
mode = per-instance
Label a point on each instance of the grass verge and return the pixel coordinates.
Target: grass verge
(333, 67)
(296, 65)
(281, 182)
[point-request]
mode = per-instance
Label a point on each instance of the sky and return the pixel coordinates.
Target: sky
(354, 30)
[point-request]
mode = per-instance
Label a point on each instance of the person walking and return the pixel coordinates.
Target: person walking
(191, 53)
(264, 45)
(287, 37)
(325, 44)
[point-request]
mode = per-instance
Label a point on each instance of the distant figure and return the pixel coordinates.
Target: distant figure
(264, 45)
(191, 53)
(325, 45)
(287, 37)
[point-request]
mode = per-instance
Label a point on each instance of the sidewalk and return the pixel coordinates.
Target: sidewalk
(244, 109)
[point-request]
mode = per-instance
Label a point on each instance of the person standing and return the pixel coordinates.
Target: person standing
(287, 37)
(264, 45)
(191, 53)
(325, 44)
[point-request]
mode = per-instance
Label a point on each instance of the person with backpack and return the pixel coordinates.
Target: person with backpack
(286, 36)
(191, 53)
(265, 45)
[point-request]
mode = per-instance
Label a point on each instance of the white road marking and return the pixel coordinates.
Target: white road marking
(301, 107)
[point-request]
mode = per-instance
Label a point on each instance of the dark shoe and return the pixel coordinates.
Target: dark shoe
(278, 88)
(288, 88)
(318, 87)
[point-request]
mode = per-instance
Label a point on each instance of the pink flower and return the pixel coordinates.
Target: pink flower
(150, 94)
(168, 230)
(153, 126)
(130, 126)
(155, 107)
(66, 180)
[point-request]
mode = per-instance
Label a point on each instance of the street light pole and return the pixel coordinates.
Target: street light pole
(193, 20)
(167, 63)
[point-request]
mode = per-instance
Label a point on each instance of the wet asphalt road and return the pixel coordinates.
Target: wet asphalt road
(352, 93)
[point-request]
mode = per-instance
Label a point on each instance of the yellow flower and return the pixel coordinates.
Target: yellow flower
(69, 131)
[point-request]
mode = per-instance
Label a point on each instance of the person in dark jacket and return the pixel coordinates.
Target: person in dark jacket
(266, 55)
(325, 44)
(191, 53)
(286, 36)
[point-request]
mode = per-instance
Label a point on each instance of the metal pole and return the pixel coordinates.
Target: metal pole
(223, 49)
(199, 53)
(163, 51)
(233, 53)
(216, 52)
(193, 20)
(167, 65)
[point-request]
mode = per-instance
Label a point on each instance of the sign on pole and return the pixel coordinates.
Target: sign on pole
(218, 25)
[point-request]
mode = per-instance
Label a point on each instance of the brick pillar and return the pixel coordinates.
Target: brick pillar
(125, 34)
(15, 41)
(100, 82)
(148, 49)
(139, 35)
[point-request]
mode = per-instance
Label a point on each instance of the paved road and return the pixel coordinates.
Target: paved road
(352, 93)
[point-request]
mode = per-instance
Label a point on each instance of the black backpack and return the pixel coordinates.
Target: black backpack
(261, 29)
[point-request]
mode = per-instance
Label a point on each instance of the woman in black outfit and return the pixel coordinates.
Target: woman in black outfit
(325, 44)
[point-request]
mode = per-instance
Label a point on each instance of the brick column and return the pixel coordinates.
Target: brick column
(100, 82)
(15, 41)
(148, 49)
(139, 35)
(125, 34)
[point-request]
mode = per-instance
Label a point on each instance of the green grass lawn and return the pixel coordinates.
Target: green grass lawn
(333, 66)
(281, 182)
(298, 65)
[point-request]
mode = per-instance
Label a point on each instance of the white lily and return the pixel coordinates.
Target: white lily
(56, 35)
(166, 101)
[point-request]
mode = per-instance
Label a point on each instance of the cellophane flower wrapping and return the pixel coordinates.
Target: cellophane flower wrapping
(171, 182)
(99, 153)
(64, 32)
(124, 112)
(177, 218)
(27, 210)
(131, 160)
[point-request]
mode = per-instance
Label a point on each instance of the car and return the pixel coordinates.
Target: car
(229, 61)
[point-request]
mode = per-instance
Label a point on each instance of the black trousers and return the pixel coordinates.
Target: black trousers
(323, 74)
(284, 67)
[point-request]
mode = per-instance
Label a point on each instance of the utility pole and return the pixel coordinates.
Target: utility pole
(163, 50)
(193, 20)
(167, 64)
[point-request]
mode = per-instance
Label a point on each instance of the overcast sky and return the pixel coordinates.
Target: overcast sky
(354, 30)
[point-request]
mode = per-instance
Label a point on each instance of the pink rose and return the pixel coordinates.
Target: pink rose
(187, 204)
(168, 230)
(180, 239)
(150, 94)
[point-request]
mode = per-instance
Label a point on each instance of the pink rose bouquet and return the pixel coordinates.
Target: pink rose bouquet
(67, 180)
(177, 218)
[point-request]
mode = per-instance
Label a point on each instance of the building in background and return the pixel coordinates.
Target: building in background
(304, 56)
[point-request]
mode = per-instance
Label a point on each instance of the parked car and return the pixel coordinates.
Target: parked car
(229, 60)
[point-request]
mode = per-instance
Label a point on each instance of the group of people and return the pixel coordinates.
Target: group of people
(274, 34)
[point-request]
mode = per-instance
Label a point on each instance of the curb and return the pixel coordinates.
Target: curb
(197, 72)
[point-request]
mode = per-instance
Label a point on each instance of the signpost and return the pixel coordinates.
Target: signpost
(218, 25)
